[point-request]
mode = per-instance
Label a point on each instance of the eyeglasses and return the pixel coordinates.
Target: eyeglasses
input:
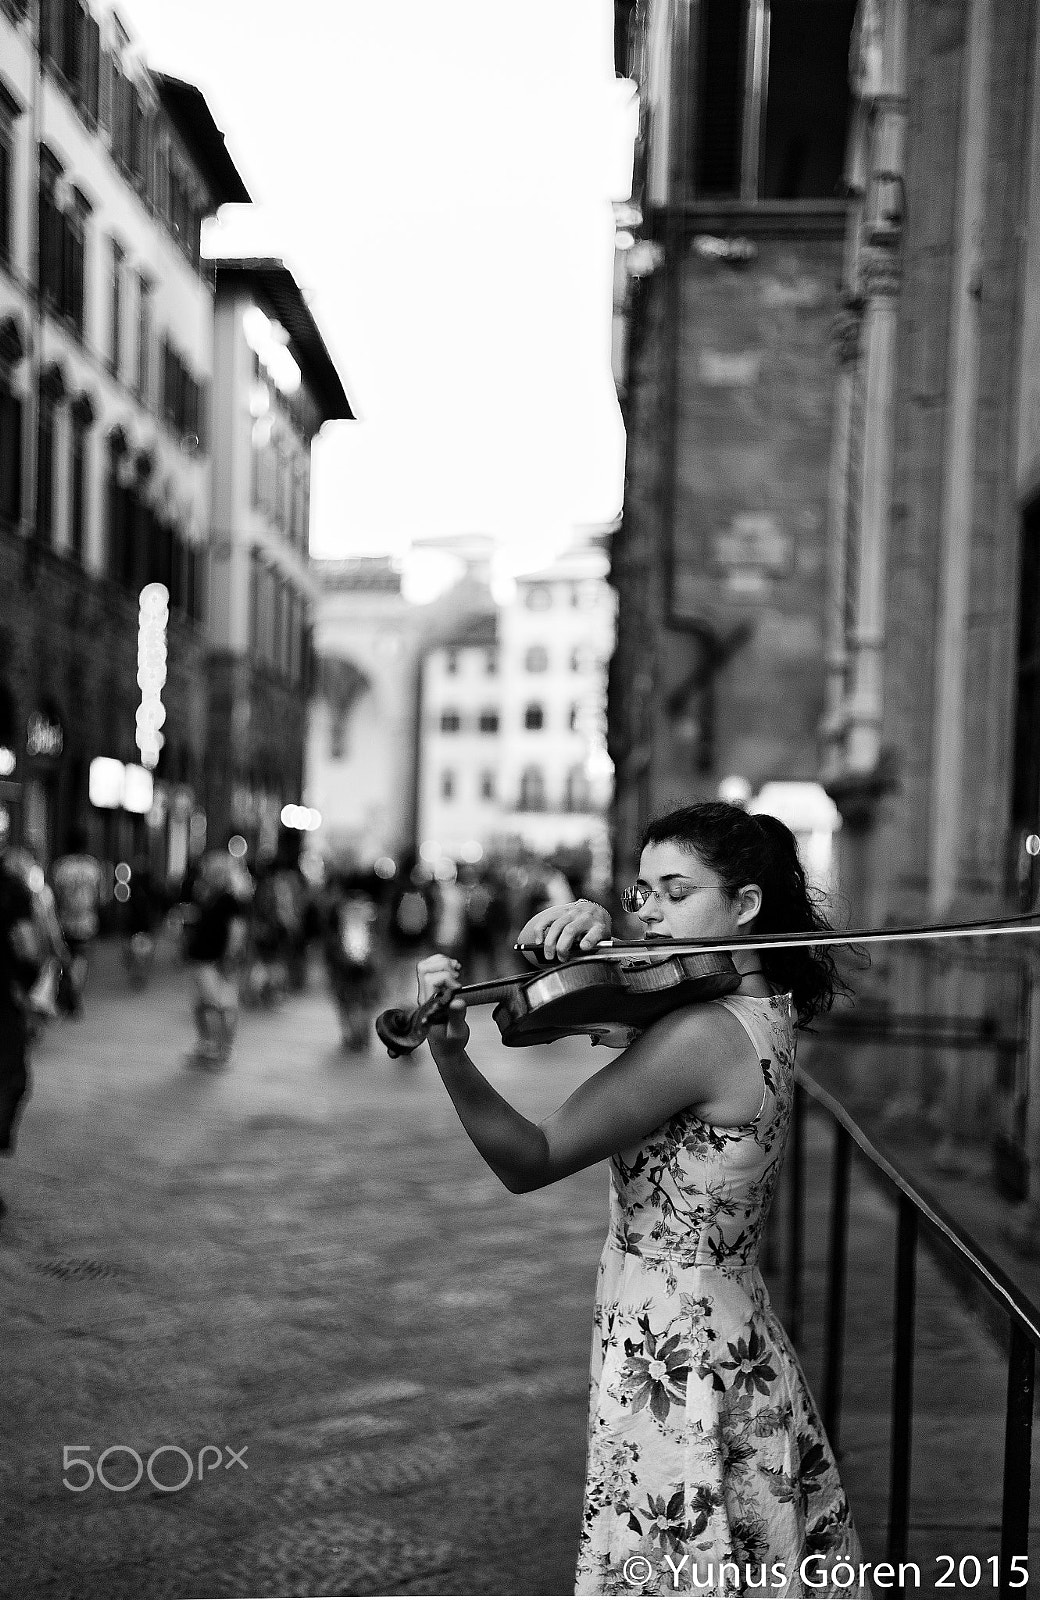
(635, 897)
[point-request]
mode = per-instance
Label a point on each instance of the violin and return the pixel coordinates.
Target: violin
(624, 985)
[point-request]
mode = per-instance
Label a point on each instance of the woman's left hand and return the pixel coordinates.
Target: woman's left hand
(437, 975)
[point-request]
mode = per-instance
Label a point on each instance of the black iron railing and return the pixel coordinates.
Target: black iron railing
(914, 1212)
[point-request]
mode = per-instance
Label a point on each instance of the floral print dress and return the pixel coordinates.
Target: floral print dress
(704, 1442)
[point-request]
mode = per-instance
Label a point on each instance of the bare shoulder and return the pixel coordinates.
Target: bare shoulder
(703, 1027)
(701, 1056)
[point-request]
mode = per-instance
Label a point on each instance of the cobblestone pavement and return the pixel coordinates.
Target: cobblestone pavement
(303, 1258)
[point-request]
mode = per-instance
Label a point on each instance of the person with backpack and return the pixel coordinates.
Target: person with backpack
(216, 943)
(78, 885)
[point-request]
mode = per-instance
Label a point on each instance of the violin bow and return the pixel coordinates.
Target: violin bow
(809, 940)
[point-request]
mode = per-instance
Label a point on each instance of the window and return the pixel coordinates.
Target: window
(532, 789)
(115, 306)
(89, 82)
(116, 508)
(81, 417)
(538, 597)
(254, 603)
(574, 718)
(50, 232)
(534, 716)
(451, 722)
(769, 79)
(537, 659)
(579, 659)
(451, 662)
(578, 794)
(487, 722)
(8, 113)
(10, 453)
(447, 784)
(487, 785)
(182, 405)
(144, 337)
(45, 469)
(74, 232)
(337, 734)
(491, 663)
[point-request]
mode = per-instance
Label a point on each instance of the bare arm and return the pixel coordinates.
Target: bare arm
(683, 1060)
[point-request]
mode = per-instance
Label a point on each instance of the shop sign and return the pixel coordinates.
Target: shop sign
(751, 553)
(44, 739)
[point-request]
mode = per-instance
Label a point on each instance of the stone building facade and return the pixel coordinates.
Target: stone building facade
(106, 365)
(275, 386)
(932, 729)
(513, 724)
(720, 561)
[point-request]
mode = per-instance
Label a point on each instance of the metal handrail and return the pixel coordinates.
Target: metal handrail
(914, 1209)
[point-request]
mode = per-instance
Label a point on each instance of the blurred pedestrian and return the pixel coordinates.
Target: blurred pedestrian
(267, 979)
(45, 993)
(351, 945)
(217, 939)
(143, 915)
(412, 907)
(78, 881)
(290, 894)
(450, 932)
(487, 925)
(21, 960)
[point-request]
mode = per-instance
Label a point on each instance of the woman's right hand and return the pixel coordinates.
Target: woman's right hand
(437, 976)
(561, 931)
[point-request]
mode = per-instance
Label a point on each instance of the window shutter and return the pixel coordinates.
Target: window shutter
(104, 113)
(91, 67)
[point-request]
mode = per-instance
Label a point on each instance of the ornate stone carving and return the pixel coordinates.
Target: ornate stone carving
(846, 328)
(881, 262)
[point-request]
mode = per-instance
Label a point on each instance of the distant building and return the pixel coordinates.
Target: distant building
(462, 785)
(461, 721)
(106, 369)
(513, 745)
(275, 386)
(361, 745)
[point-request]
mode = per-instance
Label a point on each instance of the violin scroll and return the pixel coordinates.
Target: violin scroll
(404, 1028)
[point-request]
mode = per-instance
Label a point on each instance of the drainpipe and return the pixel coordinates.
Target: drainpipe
(30, 435)
(958, 498)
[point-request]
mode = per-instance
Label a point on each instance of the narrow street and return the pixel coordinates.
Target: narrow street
(301, 1262)
(302, 1256)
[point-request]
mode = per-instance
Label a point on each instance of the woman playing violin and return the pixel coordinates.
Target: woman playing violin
(708, 1469)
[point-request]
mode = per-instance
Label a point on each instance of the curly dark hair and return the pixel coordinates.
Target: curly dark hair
(744, 847)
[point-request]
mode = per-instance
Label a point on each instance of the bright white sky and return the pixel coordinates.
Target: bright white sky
(438, 177)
